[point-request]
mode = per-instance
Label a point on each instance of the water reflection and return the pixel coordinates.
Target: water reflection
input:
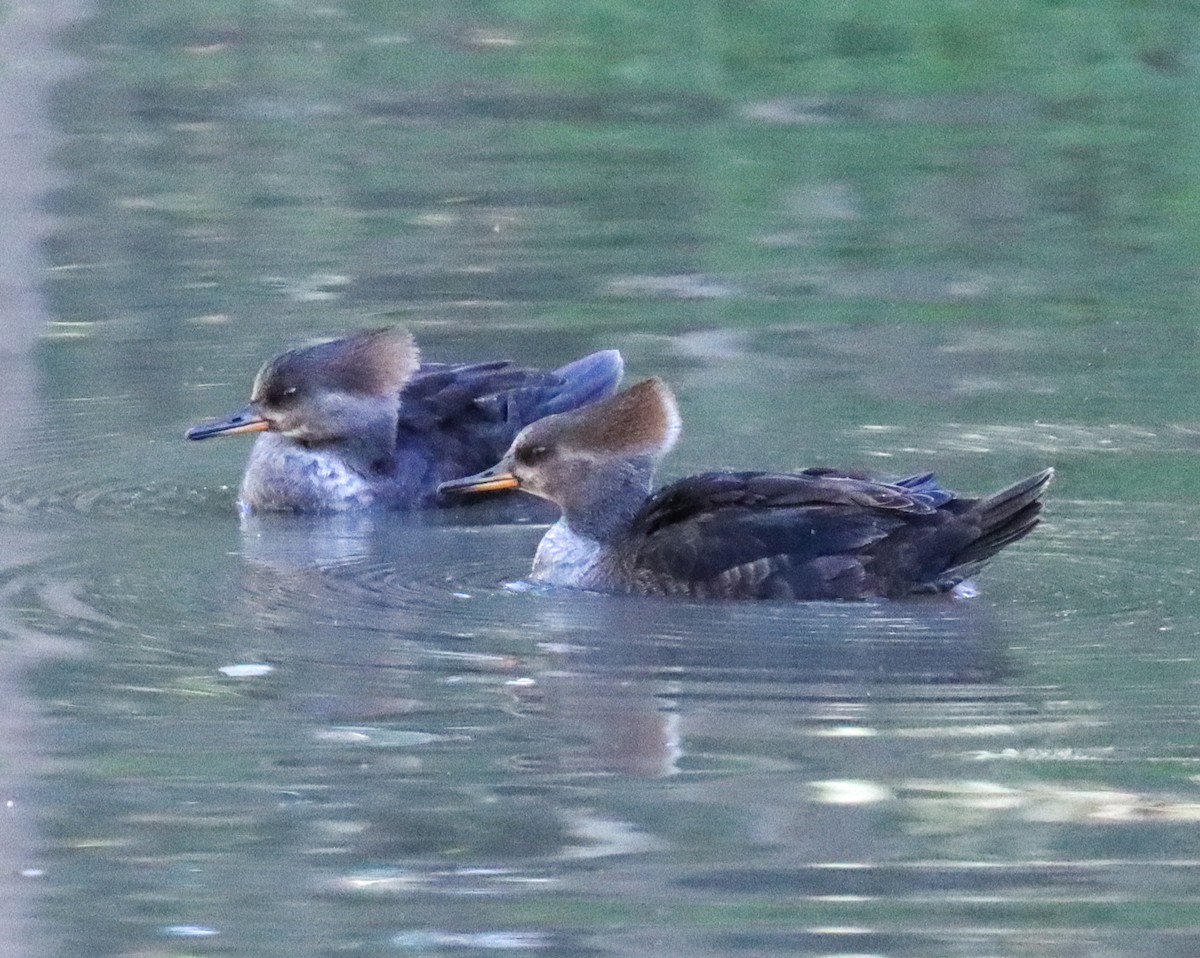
(499, 762)
(421, 756)
(641, 690)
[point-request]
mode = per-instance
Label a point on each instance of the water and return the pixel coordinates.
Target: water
(942, 240)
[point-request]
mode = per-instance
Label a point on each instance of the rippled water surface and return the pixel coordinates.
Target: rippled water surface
(885, 242)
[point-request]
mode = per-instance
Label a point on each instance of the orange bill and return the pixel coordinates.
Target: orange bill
(490, 480)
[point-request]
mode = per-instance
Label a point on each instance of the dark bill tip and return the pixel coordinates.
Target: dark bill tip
(490, 480)
(245, 420)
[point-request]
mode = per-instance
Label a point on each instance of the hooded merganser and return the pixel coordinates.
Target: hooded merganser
(814, 534)
(361, 421)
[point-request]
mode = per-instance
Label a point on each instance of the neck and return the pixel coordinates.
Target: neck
(371, 453)
(364, 433)
(602, 508)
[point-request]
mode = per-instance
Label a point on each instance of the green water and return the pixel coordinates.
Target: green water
(959, 237)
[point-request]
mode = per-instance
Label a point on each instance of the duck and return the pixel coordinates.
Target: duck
(813, 534)
(362, 422)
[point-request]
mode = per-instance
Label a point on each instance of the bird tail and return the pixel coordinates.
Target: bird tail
(1003, 517)
(595, 376)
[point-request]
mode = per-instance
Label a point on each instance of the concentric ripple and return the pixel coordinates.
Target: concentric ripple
(401, 574)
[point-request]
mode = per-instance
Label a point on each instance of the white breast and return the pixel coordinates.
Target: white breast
(565, 558)
(282, 475)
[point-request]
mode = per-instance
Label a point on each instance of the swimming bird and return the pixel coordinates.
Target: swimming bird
(813, 534)
(361, 421)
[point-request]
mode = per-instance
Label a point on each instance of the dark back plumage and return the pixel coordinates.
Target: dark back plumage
(819, 534)
(461, 418)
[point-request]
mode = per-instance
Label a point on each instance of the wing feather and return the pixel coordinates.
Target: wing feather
(770, 533)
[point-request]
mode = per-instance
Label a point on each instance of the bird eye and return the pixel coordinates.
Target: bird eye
(529, 455)
(280, 395)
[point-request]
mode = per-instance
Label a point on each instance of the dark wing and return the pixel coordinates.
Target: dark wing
(463, 417)
(442, 393)
(805, 535)
(452, 418)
